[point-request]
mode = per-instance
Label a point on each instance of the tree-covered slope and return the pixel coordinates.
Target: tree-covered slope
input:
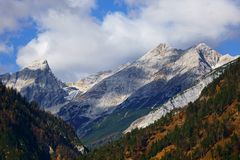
(27, 132)
(206, 129)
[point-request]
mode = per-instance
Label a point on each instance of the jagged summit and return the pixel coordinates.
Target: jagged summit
(202, 45)
(38, 64)
(212, 57)
(205, 54)
(161, 51)
(199, 51)
(163, 46)
(37, 82)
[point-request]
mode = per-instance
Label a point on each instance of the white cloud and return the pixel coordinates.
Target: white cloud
(74, 47)
(13, 13)
(75, 43)
(5, 49)
(134, 3)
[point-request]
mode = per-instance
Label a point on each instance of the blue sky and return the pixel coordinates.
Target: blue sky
(106, 6)
(27, 33)
(16, 40)
(80, 36)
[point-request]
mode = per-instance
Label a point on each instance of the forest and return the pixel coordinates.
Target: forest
(28, 133)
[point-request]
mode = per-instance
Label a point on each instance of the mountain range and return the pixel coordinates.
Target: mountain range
(102, 106)
(206, 129)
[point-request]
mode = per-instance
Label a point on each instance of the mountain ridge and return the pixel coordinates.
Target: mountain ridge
(178, 101)
(156, 73)
(37, 83)
(129, 92)
(205, 129)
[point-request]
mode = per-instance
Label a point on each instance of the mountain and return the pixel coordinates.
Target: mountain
(86, 83)
(111, 105)
(206, 129)
(26, 132)
(37, 83)
(163, 63)
(100, 107)
(178, 101)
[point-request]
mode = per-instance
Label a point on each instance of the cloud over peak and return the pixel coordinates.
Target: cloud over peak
(75, 43)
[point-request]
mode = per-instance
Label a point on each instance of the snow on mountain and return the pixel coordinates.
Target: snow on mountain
(38, 65)
(225, 59)
(37, 83)
(72, 92)
(137, 88)
(116, 88)
(131, 91)
(208, 54)
(163, 62)
(88, 82)
(180, 100)
(85, 84)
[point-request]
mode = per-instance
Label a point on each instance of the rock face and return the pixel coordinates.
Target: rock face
(37, 82)
(180, 100)
(86, 83)
(192, 132)
(163, 63)
(138, 88)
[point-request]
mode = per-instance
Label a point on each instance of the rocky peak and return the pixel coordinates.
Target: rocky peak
(163, 47)
(38, 65)
(207, 54)
(37, 82)
(201, 45)
(161, 51)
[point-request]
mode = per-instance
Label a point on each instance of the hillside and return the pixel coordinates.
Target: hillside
(179, 101)
(26, 132)
(137, 89)
(171, 73)
(206, 129)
